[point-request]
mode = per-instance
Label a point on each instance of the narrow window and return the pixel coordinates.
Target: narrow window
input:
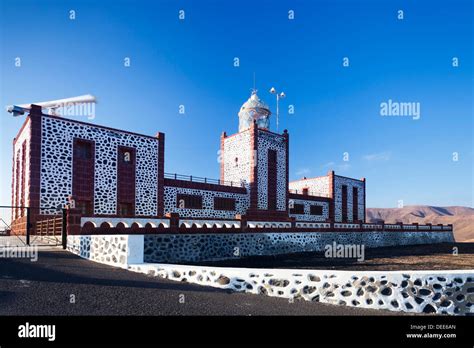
(316, 210)
(189, 201)
(83, 175)
(272, 180)
(125, 209)
(221, 203)
(83, 149)
(85, 207)
(126, 181)
(355, 206)
(297, 209)
(344, 203)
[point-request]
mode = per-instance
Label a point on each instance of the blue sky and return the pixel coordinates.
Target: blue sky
(190, 63)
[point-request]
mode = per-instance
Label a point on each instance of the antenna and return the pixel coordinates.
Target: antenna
(254, 90)
(52, 105)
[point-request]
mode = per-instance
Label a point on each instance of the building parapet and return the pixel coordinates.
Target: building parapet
(313, 225)
(269, 224)
(195, 185)
(202, 180)
(310, 196)
(126, 222)
(78, 224)
(300, 194)
(193, 223)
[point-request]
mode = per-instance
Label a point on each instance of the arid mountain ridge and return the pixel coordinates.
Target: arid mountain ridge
(462, 218)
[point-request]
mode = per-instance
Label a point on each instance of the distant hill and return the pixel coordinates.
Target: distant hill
(462, 218)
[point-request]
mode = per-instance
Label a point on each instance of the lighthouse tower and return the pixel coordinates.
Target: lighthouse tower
(258, 159)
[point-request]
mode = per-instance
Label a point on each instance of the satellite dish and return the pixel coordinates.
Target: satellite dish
(52, 105)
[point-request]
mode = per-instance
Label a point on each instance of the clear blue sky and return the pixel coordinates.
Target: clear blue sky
(190, 62)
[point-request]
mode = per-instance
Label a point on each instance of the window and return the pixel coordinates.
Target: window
(221, 203)
(297, 209)
(125, 209)
(344, 203)
(85, 207)
(355, 195)
(189, 201)
(305, 191)
(83, 175)
(83, 149)
(126, 155)
(126, 181)
(272, 180)
(316, 210)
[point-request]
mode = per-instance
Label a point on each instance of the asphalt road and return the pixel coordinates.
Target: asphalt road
(45, 287)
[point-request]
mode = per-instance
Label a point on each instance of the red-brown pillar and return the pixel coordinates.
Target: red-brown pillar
(35, 165)
(73, 226)
(161, 174)
(254, 167)
(332, 203)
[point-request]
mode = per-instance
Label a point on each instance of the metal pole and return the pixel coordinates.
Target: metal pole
(278, 98)
(64, 229)
(28, 231)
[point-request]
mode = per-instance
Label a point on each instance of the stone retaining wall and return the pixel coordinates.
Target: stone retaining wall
(114, 250)
(441, 292)
(179, 248)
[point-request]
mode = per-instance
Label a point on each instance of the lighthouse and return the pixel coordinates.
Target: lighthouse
(258, 159)
(254, 110)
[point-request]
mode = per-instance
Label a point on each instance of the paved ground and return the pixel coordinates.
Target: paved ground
(17, 240)
(445, 256)
(45, 287)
